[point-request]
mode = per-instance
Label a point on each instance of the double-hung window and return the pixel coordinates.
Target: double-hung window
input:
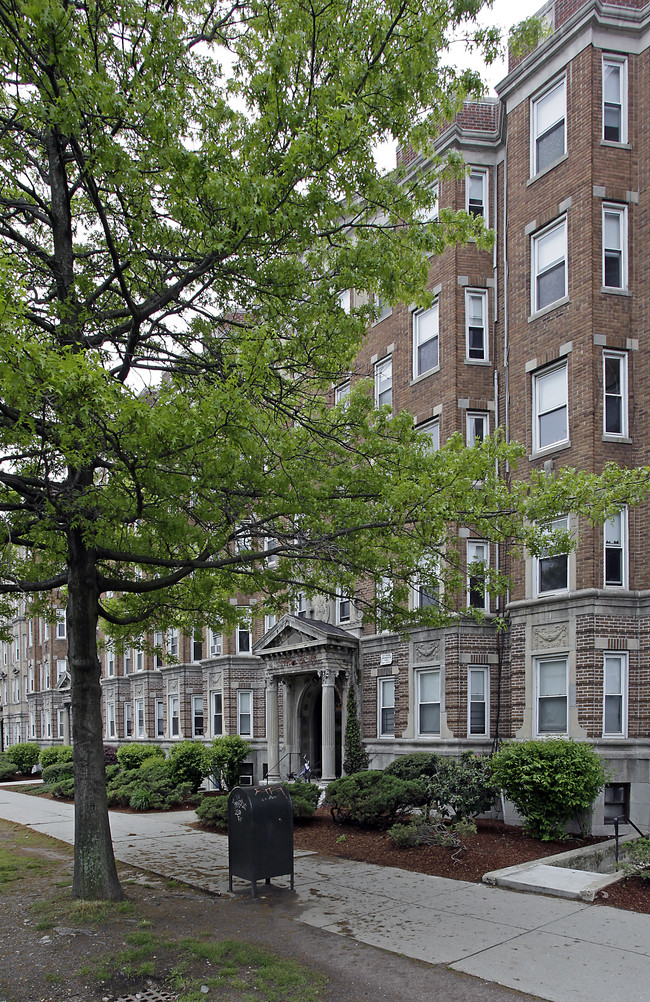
(430, 213)
(386, 693)
(549, 260)
(110, 661)
(426, 594)
(245, 713)
(615, 538)
(243, 638)
(216, 644)
(615, 695)
(552, 695)
(343, 609)
(426, 340)
(614, 99)
(216, 710)
(197, 716)
(128, 720)
(432, 429)
(476, 326)
(615, 246)
(550, 407)
(61, 668)
(139, 718)
(384, 383)
(342, 392)
(172, 643)
(615, 393)
(60, 723)
(427, 689)
(478, 702)
(345, 300)
(548, 121)
(157, 643)
(478, 559)
(476, 192)
(159, 710)
(477, 427)
(174, 717)
(60, 624)
(553, 569)
(110, 720)
(127, 661)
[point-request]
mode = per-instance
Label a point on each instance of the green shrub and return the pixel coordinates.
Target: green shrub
(424, 833)
(111, 772)
(141, 798)
(550, 782)
(637, 863)
(459, 788)
(154, 777)
(57, 772)
(24, 756)
(63, 790)
(133, 755)
(225, 757)
(304, 798)
(355, 757)
(415, 765)
(7, 768)
(188, 764)
(55, 753)
(213, 812)
(373, 798)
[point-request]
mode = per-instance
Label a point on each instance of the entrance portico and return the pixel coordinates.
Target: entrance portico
(309, 667)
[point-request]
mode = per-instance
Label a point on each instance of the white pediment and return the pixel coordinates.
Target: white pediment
(294, 632)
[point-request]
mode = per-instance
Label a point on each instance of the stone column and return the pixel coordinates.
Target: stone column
(272, 728)
(328, 754)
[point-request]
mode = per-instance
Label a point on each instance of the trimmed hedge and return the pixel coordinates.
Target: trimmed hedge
(55, 753)
(24, 756)
(132, 756)
(7, 768)
(304, 798)
(213, 812)
(374, 798)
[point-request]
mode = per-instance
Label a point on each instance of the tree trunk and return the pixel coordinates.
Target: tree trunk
(95, 874)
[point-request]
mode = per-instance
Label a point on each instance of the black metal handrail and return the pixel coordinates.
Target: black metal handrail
(625, 820)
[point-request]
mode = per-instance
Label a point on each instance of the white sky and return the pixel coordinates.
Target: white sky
(503, 14)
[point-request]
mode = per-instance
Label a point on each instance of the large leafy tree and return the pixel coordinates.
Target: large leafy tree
(187, 188)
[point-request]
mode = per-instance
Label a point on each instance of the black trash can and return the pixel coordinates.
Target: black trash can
(260, 834)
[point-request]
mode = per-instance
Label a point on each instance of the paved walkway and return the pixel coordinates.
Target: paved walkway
(565, 951)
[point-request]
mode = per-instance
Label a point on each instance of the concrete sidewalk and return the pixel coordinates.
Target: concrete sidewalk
(565, 951)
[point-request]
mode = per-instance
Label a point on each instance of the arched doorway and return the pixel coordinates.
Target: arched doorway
(310, 726)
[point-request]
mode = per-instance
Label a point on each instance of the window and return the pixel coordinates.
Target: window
(428, 702)
(217, 714)
(342, 609)
(127, 661)
(614, 394)
(60, 624)
(617, 802)
(430, 214)
(197, 644)
(32, 724)
(197, 716)
(243, 638)
(345, 300)
(432, 429)
(216, 645)
(174, 717)
(386, 707)
(615, 695)
(139, 718)
(476, 192)
(553, 569)
(552, 696)
(301, 605)
(128, 720)
(48, 724)
(615, 246)
(384, 383)
(138, 660)
(614, 99)
(157, 642)
(172, 643)
(478, 427)
(550, 408)
(342, 392)
(478, 557)
(549, 256)
(382, 309)
(548, 121)
(245, 713)
(160, 718)
(31, 678)
(110, 661)
(476, 329)
(615, 536)
(270, 619)
(426, 341)
(61, 668)
(110, 720)
(424, 595)
(477, 702)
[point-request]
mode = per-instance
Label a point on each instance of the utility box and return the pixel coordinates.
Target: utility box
(260, 834)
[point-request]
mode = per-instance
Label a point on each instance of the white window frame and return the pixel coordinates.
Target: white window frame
(539, 415)
(432, 429)
(483, 174)
(621, 693)
(539, 663)
(343, 609)
(382, 308)
(158, 642)
(110, 662)
(421, 733)
(431, 215)
(342, 391)
(619, 211)
(622, 396)
(128, 720)
(471, 419)
(60, 624)
(556, 524)
(482, 295)
(474, 547)
(198, 732)
(216, 714)
(110, 720)
(384, 370)
(300, 605)
(384, 704)
(140, 719)
(174, 717)
(138, 659)
(485, 672)
(555, 87)
(619, 546)
(216, 644)
(242, 630)
(61, 668)
(172, 645)
(159, 723)
(127, 661)
(537, 240)
(270, 619)
(242, 712)
(345, 300)
(621, 63)
(48, 723)
(418, 316)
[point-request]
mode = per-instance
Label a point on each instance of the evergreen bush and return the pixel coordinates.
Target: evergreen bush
(373, 798)
(460, 788)
(304, 798)
(7, 768)
(56, 772)
(188, 764)
(637, 863)
(355, 757)
(550, 782)
(213, 812)
(132, 756)
(24, 756)
(225, 757)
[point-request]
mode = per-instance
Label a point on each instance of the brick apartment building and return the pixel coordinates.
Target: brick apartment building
(543, 337)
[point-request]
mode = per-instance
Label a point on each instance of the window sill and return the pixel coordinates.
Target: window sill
(549, 450)
(617, 439)
(543, 173)
(617, 146)
(548, 309)
(610, 290)
(478, 361)
(424, 375)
